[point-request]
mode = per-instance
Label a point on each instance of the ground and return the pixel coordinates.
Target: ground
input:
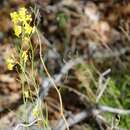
(86, 48)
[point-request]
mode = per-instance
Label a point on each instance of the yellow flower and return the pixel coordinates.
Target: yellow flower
(10, 66)
(17, 30)
(14, 17)
(26, 93)
(28, 18)
(22, 13)
(28, 29)
(10, 63)
(24, 56)
(21, 20)
(35, 111)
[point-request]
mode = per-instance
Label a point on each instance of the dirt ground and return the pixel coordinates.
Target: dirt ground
(84, 42)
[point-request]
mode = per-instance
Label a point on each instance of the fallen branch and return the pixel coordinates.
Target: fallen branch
(103, 82)
(27, 125)
(46, 83)
(72, 120)
(113, 110)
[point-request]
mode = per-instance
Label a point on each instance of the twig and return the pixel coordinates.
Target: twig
(109, 54)
(102, 85)
(72, 120)
(46, 84)
(113, 110)
(52, 82)
(27, 125)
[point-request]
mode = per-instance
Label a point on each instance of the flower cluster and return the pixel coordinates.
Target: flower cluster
(21, 21)
(21, 24)
(11, 62)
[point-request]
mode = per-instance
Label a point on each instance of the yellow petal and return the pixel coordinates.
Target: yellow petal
(28, 29)
(14, 17)
(10, 63)
(22, 13)
(24, 56)
(17, 30)
(26, 93)
(10, 66)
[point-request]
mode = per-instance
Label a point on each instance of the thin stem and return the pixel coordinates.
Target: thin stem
(51, 79)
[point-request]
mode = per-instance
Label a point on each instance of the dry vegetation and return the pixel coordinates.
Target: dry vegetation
(85, 46)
